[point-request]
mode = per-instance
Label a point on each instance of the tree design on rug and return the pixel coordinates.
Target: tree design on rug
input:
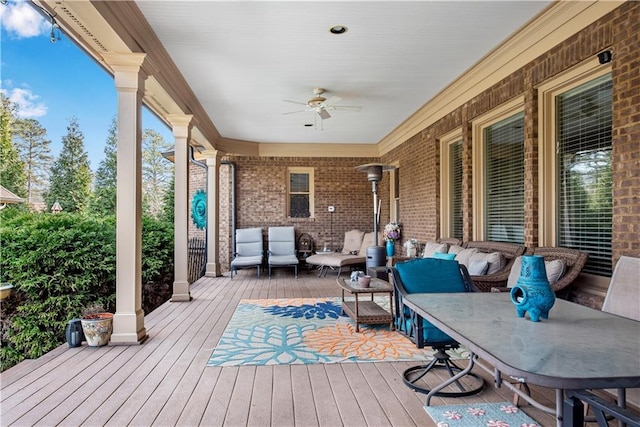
(370, 344)
(320, 310)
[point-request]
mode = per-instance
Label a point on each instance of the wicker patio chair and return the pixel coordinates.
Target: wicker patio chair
(574, 261)
(510, 251)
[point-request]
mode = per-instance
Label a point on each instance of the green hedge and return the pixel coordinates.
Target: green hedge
(59, 264)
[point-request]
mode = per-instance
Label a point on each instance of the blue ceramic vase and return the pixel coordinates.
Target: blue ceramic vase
(532, 292)
(390, 248)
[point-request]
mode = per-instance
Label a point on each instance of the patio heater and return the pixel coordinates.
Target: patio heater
(375, 254)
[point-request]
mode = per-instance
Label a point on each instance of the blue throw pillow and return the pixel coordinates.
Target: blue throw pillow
(442, 255)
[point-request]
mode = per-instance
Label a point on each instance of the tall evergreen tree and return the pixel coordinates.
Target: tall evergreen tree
(71, 174)
(35, 151)
(156, 172)
(12, 169)
(103, 201)
(168, 212)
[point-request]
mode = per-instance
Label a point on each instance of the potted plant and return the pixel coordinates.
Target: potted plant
(97, 325)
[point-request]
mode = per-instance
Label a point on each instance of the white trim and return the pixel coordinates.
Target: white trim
(547, 166)
(502, 112)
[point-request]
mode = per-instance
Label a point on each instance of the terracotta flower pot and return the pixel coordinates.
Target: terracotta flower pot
(97, 328)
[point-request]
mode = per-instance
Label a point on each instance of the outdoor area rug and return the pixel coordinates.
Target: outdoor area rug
(308, 330)
(502, 414)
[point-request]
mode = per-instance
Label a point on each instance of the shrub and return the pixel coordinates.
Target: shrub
(60, 264)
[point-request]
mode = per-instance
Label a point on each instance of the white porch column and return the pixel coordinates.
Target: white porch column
(213, 213)
(129, 77)
(182, 132)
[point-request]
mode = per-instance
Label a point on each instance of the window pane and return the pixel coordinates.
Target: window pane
(584, 163)
(455, 186)
(299, 204)
(299, 183)
(504, 161)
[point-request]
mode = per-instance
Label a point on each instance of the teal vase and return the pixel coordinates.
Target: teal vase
(532, 292)
(391, 247)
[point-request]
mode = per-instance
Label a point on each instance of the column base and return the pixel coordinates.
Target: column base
(213, 270)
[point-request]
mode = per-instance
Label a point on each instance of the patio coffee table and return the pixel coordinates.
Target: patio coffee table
(367, 312)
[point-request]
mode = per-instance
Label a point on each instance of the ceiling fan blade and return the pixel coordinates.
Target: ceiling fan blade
(294, 102)
(324, 114)
(332, 100)
(293, 112)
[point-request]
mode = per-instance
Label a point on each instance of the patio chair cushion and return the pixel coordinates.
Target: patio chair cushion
(495, 261)
(352, 241)
(368, 240)
(463, 256)
(442, 255)
(555, 270)
(432, 247)
(478, 267)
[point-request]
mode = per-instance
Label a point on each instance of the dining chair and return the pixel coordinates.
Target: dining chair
(431, 275)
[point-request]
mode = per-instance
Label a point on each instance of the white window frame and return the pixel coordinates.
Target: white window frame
(301, 170)
(500, 113)
(446, 142)
(394, 199)
(547, 135)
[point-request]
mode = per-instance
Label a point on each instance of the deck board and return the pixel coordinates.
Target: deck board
(165, 381)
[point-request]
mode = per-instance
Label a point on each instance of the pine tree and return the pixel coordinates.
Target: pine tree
(156, 172)
(71, 174)
(35, 151)
(12, 169)
(103, 201)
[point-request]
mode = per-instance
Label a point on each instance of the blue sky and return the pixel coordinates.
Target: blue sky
(52, 82)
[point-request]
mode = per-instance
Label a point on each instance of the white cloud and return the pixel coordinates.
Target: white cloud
(21, 20)
(29, 104)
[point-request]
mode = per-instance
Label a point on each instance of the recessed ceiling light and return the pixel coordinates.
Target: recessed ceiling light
(338, 29)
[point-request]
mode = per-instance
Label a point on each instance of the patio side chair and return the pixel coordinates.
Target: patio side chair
(431, 275)
(249, 249)
(282, 249)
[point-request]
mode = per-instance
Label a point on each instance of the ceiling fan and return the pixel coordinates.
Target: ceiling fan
(322, 105)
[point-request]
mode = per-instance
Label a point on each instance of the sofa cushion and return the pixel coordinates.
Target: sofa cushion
(432, 247)
(443, 255)
(495, 261)
(555, 270)
(352, 241)
(463, 256)
(478, 267)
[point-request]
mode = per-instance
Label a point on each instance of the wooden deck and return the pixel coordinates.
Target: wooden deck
(166, 382)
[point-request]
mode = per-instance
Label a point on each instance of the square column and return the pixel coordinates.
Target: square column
(212, 159)
(182, 132)
(129, 77)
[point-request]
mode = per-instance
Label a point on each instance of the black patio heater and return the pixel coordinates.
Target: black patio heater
(376, 256)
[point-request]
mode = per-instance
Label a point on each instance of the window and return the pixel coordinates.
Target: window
(575, 164)
(395, 194)
(584, 148)
(455, 190)
(504, 185)
(300, 201)
(451, 208)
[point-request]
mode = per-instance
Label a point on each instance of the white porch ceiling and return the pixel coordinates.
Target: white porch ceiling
(243, 58)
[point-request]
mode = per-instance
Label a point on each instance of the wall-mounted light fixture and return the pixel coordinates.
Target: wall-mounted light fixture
(604, 57)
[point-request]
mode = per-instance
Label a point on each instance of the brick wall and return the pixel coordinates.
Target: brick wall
(261, 188)
(261, 182)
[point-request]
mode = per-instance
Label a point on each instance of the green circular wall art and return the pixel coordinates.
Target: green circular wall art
(199, 209)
